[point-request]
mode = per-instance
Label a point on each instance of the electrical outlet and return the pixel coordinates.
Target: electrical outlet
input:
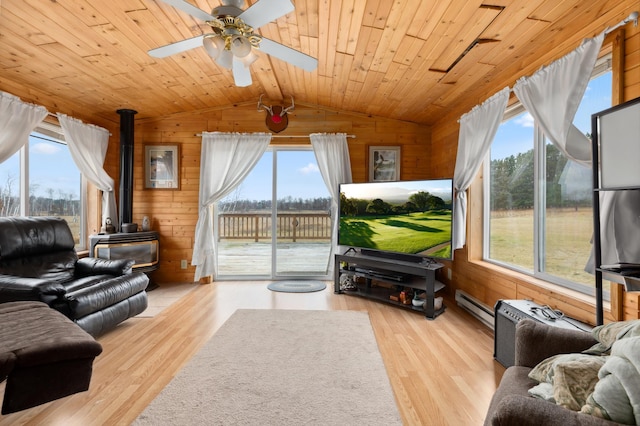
(183, 264)
(449, 273)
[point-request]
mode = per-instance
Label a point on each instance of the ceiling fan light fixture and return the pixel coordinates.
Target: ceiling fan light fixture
(234, 3)
(225, 59)
(214, 45)
(240, 46)
(232, 40)
(249, 59)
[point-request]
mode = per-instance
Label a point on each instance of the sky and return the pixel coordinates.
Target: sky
(51, 167)
(298, 177)
(398, 191)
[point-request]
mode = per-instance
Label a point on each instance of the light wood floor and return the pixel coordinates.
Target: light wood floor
(442, 371)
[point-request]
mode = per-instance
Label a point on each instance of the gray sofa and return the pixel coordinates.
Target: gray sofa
(38, 262)
(511, 404)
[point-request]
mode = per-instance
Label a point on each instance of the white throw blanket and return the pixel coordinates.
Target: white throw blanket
(617, 393)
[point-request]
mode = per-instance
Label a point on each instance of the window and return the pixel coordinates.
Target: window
(538, 204)
(42, 180)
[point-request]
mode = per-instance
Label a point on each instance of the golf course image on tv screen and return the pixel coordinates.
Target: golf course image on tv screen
(411, 217)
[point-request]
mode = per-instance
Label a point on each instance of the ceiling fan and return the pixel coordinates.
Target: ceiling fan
(232, 41)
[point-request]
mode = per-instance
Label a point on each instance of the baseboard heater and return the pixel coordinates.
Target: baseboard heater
(475, 308)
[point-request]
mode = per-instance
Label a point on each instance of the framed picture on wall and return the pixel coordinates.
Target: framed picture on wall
(384, 163)
(161, 167)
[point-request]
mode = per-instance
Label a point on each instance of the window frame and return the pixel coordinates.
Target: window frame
(604, 64)
(274, 273)
(52, 133)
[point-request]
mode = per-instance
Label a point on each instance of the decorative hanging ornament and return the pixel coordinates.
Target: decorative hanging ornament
(277, 116)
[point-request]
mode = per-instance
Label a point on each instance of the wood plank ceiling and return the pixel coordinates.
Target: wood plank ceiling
(411, 60)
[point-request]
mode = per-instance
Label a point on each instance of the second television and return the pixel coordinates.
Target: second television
(408, 220)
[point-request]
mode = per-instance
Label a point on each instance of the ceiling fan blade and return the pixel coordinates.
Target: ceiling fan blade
(241, 73)
(287, 54)
(265, 11)
(177, 47)
(190, 9)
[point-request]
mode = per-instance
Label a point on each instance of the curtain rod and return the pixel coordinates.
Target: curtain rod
(303, 136)
(290, 136)
(632, 17)
(50, 114)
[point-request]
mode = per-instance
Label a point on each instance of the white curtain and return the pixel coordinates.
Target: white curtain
(477, 130)
(88, 147)
(553, 94)
(17, 121)
(226, 159)
(332, 153)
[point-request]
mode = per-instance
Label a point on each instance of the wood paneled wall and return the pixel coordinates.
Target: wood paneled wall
(426, 153)
(490, 283)
(174, 213)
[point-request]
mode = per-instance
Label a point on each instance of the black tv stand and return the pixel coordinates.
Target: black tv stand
(417, 276)
(388, 255)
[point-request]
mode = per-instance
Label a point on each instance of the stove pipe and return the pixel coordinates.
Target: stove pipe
(126, 165)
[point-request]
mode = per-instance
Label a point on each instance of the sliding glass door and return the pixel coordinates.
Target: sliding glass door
(277, 222)
(303, 226)
(243, 220)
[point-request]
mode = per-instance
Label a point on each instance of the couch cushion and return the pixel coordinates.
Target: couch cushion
(536, 341)
(37, 247)
(43, 355)
(37, 334)
(29, 236)
(55, 267)
(90, 294)
(95, 266)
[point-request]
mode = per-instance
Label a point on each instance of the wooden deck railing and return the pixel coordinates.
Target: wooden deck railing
(289, 226)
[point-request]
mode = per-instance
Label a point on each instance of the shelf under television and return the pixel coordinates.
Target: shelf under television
(376, 287)
(381, 294)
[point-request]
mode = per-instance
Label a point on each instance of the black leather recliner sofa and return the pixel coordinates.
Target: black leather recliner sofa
(38, 261)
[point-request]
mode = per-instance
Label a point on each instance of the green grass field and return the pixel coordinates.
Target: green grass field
(568, 237)
(426, 233)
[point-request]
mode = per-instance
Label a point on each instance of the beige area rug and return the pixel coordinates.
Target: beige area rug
(282, 367)
(164, 296)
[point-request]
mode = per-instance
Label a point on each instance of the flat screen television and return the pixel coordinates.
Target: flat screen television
(405, 220)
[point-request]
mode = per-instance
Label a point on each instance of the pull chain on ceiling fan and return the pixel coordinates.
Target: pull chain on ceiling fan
(232, 42)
